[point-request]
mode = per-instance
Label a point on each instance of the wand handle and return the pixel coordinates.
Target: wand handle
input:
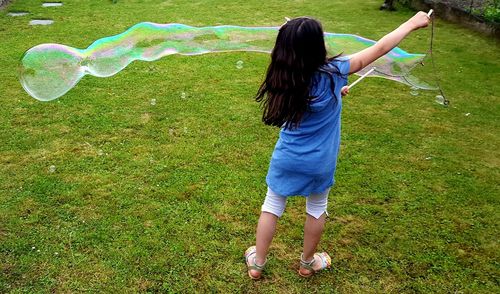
(430, 12)
(362, 77)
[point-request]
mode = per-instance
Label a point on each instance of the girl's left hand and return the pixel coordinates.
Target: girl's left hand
(420, 20)
(344, 91)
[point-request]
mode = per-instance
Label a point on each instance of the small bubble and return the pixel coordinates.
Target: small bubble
(414, 91)
(56, 253)
(183, 95)
(428, 158)
(33, 248)
(153, 102)
(239, 64)
(467, 114)
(52, 168)
(38, 250)
(440, 99)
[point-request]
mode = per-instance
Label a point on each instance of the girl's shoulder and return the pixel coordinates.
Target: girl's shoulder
(338, 65)
(328, 81)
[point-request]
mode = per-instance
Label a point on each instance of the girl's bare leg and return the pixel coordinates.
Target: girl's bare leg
(313, 229)
(265, 233)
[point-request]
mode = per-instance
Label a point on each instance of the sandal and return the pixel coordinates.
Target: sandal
(326, 262)
(251, 252)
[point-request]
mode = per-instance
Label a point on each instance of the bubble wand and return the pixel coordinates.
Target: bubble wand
(362, 77)
(441, 99)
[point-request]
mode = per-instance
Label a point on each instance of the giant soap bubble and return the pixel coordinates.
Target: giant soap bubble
(48, 71)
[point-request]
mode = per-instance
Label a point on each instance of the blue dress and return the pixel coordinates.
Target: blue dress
(305, 158)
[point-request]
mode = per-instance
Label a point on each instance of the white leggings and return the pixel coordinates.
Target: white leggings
(315, 204)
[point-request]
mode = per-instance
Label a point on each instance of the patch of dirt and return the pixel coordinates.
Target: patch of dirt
(475, 7)
(468, 13)
(465, 5)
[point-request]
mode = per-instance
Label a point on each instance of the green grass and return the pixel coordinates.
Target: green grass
(165, 198)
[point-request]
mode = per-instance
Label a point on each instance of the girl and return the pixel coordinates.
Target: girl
(302, 94)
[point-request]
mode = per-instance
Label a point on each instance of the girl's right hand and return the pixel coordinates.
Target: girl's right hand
(344, 91)
(419, 20)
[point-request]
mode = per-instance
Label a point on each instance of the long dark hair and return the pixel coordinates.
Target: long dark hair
(299, 52)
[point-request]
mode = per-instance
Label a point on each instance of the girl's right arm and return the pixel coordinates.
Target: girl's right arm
(363, 58)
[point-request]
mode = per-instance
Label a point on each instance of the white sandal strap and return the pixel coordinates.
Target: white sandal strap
(255, 266)
(307, 264)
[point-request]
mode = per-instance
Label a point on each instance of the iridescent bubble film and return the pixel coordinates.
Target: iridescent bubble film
(48, 71)
(414, 91)
(440, 99)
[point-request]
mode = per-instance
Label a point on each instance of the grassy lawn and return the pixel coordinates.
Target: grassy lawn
(101, 191)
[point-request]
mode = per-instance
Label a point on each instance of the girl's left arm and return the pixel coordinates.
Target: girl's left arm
(363, 58)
